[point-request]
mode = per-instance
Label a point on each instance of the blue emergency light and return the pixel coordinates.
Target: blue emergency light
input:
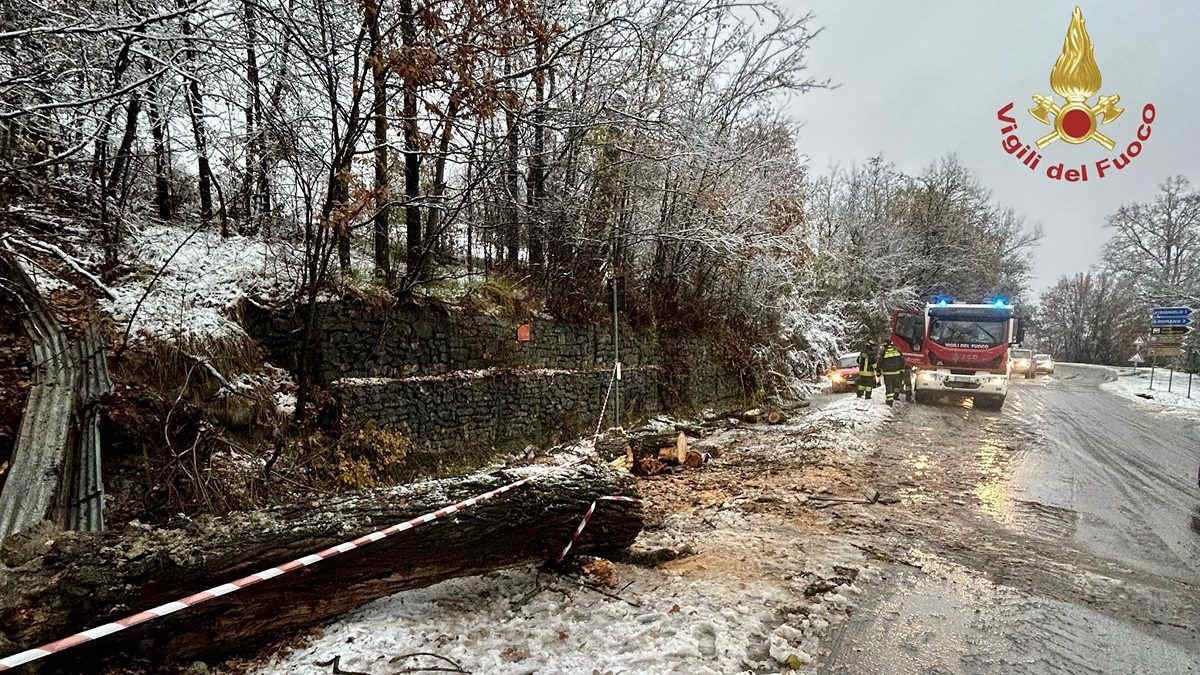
(942, 300)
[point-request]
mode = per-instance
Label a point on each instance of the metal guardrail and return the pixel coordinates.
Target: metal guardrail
(56, 472)
(86, 510)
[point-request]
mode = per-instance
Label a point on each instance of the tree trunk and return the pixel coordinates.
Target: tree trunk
(125, 151)
(57, 583)
(195, 105)
(433, 219)
(162, 187)
(256, 170)
(383, 246)
(512, 228)
(412, 150)
(537, 166)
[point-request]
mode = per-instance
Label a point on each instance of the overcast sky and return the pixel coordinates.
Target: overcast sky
(922, 79)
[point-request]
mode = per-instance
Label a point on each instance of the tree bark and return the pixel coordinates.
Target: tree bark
(412, 150)
(162, 187)
(433, 219)
(195, 105)
(383, 247)
(537, 165)
(125, 150)
(256, 169)
(512, 227)
(56, 583)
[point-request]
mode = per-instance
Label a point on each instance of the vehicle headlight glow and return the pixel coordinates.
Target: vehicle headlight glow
(836, 376)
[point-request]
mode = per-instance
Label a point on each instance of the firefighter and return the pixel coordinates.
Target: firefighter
(866, 373)
(891, 365)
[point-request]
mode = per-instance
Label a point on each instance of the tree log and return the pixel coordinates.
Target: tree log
(55, 583)
(677, 452)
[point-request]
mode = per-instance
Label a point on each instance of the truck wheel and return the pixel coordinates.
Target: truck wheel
(1029, 374)
(920, 396)
(989, 402)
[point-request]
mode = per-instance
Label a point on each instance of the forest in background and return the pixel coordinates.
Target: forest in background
(552, 144)
(1151, 259)
(162, 161)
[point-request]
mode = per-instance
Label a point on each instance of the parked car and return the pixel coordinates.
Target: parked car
(844, 373)
(1042, 363)
(1022, 362)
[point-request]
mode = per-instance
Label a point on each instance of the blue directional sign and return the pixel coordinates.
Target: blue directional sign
(1171, 312)
(1170, 321)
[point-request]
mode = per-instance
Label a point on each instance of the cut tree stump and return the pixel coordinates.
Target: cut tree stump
(676, 453)
(55, 583)
(646, 447)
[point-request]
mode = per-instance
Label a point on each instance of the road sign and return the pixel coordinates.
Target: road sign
(1165, 312)
(1170, 330)
(1170, 321)
(1165, 350)
(1137, 358)
(1139, 342)
(1167, 339)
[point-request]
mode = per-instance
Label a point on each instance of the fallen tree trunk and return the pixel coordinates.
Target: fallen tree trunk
(55, 583)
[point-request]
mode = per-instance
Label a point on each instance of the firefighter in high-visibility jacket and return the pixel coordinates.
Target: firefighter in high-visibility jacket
(891, 365)
(866, 373)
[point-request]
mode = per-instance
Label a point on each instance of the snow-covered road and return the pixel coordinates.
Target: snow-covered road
(1061, 534)
(755, 598)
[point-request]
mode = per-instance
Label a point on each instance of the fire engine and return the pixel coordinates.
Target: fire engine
(958, 349)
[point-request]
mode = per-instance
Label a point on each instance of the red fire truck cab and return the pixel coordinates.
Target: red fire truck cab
(958, 349)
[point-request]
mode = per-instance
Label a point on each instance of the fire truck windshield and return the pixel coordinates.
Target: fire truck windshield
(966, 333)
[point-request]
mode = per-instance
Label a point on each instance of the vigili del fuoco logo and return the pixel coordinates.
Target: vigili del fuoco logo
(1075, 121)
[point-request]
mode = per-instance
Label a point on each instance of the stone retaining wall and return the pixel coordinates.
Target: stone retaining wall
(455, 381)
(494, 409)
(361, 341)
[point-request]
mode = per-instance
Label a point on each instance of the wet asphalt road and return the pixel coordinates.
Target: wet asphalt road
(1060, 535)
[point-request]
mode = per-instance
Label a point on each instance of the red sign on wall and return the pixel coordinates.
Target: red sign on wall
(524, 332)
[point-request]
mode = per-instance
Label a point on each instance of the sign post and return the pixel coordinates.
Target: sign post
(1169, 327)
(1191, 370)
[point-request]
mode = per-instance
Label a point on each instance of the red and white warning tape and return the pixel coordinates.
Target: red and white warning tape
(225, 589)
(583, 523)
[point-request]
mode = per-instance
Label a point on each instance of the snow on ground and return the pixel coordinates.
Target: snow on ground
(522, 621)
(1130, 383)
(203, 278)
(757, 597)
(845, 419)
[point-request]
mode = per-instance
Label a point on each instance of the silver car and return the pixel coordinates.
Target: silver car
(1022, 362)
